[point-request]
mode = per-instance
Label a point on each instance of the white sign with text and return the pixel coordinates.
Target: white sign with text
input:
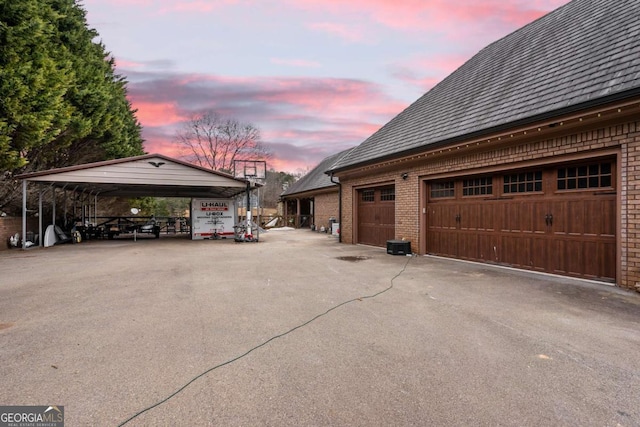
(212, 218)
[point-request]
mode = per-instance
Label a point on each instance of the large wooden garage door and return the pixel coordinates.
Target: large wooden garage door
(376, 215)
(559, 219)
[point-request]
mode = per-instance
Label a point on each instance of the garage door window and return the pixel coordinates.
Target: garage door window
(368, 195)
(388, 194)
(596, 175)
(525, 182)
(477, 186)
(442, 189)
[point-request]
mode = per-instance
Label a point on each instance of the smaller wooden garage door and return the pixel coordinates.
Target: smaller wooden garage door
(376, 215)
(558, 219)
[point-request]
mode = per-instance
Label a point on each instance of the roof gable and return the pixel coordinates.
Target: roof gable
(585, 51)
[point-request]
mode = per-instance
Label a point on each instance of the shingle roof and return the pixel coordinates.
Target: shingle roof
(583, 53)
(316, 179)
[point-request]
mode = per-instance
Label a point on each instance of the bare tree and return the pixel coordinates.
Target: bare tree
(214, 142)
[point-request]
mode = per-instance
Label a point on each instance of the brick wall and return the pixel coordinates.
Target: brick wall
(630, 208)
(625, 136)
(12, 225)
(347, 220)
(326, 206)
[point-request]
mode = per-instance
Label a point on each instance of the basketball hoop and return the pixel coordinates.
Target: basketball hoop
(253, 172)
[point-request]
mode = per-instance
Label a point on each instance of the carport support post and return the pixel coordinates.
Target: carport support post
(89, 206)
(258, 213)
(248, 210)
(39, 213)
(84, 210)
(24, 212)
(53, 206)
(66, 212)
(297, 213)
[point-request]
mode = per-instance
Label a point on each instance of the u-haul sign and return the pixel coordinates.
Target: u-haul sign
(212, 217)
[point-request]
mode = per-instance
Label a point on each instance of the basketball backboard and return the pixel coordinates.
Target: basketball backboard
(250, 169)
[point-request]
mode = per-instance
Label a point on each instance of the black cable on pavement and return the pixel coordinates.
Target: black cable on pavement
(265, 343)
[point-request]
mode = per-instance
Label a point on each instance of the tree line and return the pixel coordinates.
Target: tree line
(61, 100)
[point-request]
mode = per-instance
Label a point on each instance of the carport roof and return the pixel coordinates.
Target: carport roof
(153, 175)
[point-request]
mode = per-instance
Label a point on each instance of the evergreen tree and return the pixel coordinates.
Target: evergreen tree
(61, 100)
(35, 75)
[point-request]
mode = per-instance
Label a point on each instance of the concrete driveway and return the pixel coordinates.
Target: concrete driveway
(299, 330)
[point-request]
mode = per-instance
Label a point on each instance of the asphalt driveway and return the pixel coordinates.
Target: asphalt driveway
(299, 330)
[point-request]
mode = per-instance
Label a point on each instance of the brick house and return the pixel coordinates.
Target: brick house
(526, 156)
(313, 200)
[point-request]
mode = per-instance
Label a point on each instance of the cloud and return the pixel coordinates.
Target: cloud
(229, 56)
(159, 140)
(293, 157)
(126, 64)
(345, 32)
(133, 2)
(201, 6)
(296, 63)
(156, 113)
(180, 6)
(318, 116)
(424, 72)
(420, 15)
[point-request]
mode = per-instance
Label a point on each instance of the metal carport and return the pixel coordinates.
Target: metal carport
(149, 175)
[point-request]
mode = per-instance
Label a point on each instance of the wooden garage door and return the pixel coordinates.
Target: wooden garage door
(376, 215)
(559, 220)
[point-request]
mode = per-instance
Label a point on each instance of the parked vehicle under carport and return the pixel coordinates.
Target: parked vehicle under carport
(128, 226)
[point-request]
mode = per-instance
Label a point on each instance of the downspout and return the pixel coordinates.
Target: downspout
(339, 207)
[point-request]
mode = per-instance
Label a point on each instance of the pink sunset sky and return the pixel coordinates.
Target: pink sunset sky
(315, 76)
